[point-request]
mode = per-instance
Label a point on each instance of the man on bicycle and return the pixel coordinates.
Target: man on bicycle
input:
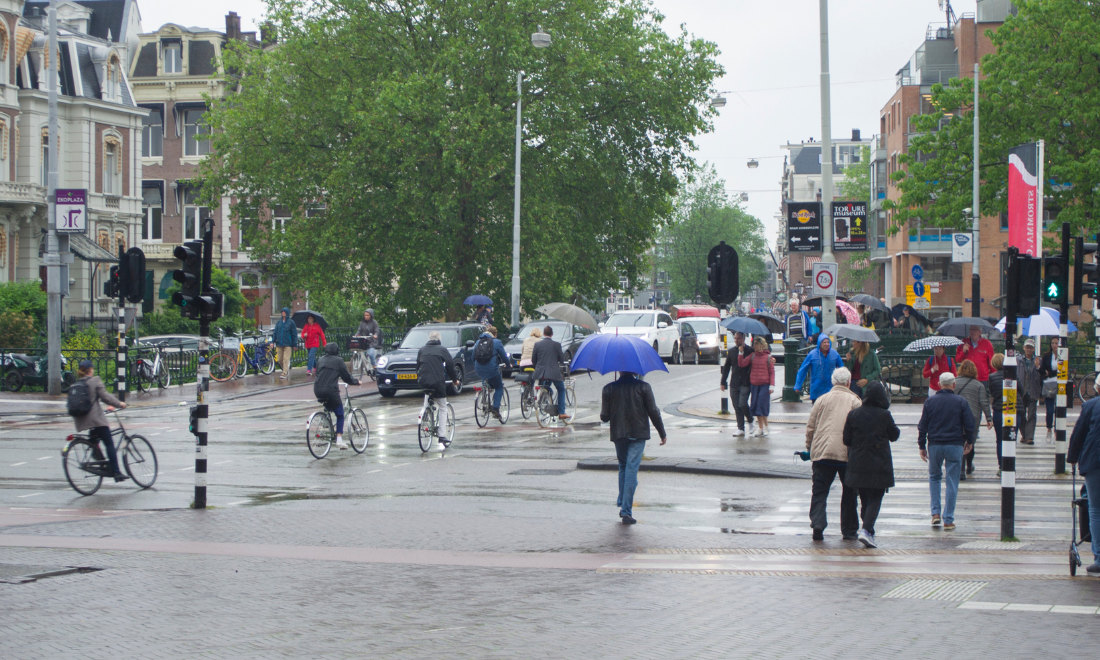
(546, 358)
(94, 421)
(330, 369)
(434, 368)
(368, 328)
(488, 354)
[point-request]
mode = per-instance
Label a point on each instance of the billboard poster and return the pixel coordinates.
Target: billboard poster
(849, 226)
(1025, 200)
(804, 226)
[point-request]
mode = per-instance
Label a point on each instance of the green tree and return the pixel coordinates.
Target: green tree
(704, 216)
(24, 298)
(387, 130)
(167, 320)
(1043, 81)
(856, 184)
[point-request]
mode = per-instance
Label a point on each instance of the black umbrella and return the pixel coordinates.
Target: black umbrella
(896, 312)
(960, 326)
(816, 302)
(869, 301)
(300, 317)
(774, 323)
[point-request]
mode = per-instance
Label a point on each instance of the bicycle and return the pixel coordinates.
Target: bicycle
(259, 356)
(360, 359)
(147, 372)
(223, 364)
(321, 428)
(1086, 387)
(527, 398)
(483, 404)
(546, 405)
(428, 428)
(85, 465)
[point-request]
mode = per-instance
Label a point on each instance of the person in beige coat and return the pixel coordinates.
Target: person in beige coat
(825, 442)
(529, 347)
(95, 422)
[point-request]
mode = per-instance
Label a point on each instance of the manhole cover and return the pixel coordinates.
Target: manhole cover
(538, 472)
(935, 589)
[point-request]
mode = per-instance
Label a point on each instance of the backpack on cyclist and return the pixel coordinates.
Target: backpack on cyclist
(483, 352)
(80, 398)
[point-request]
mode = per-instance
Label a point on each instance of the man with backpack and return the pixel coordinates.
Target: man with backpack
(83, 405)
(488, 354)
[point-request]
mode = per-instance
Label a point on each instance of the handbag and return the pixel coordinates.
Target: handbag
(1050, 388)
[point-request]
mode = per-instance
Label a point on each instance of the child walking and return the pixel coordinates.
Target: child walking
(762, 381)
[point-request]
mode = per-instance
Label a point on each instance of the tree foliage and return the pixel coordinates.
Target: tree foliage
(704, 216)
(24, 298)
(1043, 82)
(399, 118)
(856, 184)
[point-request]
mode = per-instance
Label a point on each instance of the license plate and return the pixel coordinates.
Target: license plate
(406, 376)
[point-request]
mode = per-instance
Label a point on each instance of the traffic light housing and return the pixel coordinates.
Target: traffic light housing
(723, 282)
(1084, 274)
(190, 279)
(1029, 272)
(1055, 280)
(110, 287)
(131, 275)
(714, 279)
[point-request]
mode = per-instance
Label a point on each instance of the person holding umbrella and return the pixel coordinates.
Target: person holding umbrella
(313, 337)
(908, 321)
(628, 405)
(978, 350)
(740, 386)
(938, 364)
(1050, 370)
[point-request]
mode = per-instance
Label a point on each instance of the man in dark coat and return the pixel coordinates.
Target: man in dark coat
(546, 358)
(945, 433)
(435, 367)
(628, 404)
(868, 432)
(330, 369)
(739, 386)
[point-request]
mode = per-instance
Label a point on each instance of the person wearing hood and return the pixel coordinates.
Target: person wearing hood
(868, 432)
(825, 442)
(368, 328)
(330, 369)
(1084, 452)
(285, 336)
(819, 365)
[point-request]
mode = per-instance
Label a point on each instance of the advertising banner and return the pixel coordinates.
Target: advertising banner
(849, 226)
(1025, 199)
(804, 227)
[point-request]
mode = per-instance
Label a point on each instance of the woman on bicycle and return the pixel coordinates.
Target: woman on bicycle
(95, 422)
(313, 337)
(331, 368)
(529, 347)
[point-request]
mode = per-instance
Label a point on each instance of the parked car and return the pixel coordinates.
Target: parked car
(397, 369)
(709, 334)
(568, 335)
(174, 343)
(777, 347)
(655, 327)
(689, 344)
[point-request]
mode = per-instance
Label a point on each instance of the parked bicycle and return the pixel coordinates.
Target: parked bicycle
(483, 404)
(85, 464)
(259, 354)
(223, 363)
(321, 428)
(546, 400)
(147, 372)
(1086, 387)
(428, 428)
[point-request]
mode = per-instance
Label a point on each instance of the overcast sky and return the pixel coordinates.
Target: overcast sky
(770, 51)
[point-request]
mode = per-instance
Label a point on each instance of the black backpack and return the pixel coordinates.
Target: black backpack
(80, 398)
(483, 352)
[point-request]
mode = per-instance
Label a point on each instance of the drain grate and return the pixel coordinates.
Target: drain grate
(936, 589)
(540, 472)
(994, 545)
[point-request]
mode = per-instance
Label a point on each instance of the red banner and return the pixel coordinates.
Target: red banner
(1024, 204)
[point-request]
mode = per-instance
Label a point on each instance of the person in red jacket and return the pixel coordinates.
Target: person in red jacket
(313, 337)
(761, 380)
(978, 350)
(938, 364)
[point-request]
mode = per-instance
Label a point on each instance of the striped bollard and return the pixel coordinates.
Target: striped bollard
(1060, 402)
(1008, 406)
(120, 378)
(202, 413)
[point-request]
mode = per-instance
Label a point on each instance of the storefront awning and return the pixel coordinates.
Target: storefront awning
(86, 249)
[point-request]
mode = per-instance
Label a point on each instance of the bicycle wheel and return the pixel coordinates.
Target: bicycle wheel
(164, 379)
(1086, 389)
(267, 361)
(481, 407)
(83, 472)
(319, 434)
(242, 365)
(425, 430)
(141, 380)
(222, 366)
(450, 430)
(505, 407)
(526, 402)
(570, 404)
(545, 407)
(358, 430)
(140, 461)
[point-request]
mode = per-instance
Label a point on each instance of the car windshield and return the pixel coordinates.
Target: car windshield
(630, 321)
(703, 326)
(417, 337)
(559, 331)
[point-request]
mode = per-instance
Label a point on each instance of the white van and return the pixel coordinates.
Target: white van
(655, 327)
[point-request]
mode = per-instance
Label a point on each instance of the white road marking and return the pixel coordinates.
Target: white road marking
(237, 502)
(373, 471)
(43, 458)
(30, 495)
(186, 469)
(18, 464)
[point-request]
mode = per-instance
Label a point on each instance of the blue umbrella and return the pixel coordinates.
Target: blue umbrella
(746, 325)
(607, 353)
(477, 299)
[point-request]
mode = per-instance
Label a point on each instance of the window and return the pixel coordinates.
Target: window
(152, 134)
(624, 283)
(940, 269)
(279, 218)
(1004, 221)
(173, 57)
(110, 168)
(249, 280)
(45, 160)
(247, 223)
(196, 141)
(193, 215)
(152, 209)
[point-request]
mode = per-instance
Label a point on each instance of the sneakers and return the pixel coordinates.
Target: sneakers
(444, 442)
(283, 377)
(949, 527)
(866, 538)
(495, 412)
(766, 431)
(819, 534)
(936, 520)
(750, 430)
(1094, 570)
(739, 433)
(340, 442)
(628, 520)
(1027, 442)
(1050, 435)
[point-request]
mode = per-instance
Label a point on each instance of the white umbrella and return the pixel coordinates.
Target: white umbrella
(1045, 323)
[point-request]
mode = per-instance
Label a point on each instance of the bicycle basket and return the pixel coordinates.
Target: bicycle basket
(358, 343)
(231, 343)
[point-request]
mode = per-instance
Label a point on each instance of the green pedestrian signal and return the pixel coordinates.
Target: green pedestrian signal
(1052, 290)
(1055, 280)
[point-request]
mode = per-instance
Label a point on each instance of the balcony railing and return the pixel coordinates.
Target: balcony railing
(22, 193)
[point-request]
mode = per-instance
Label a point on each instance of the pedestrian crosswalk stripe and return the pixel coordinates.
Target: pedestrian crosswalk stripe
(936, 589)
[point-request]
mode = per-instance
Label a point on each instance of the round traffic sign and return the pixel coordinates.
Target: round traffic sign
(824, 279)
(918, 288)
(918, 272)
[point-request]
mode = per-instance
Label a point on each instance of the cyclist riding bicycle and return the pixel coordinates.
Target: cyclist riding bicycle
(330, 369)
(434, 367)
(95, 421)
(488, 354)
(368, 327)
(546, 358)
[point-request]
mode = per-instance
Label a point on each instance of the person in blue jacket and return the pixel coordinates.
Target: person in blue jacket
(820, 365)
(487, 361)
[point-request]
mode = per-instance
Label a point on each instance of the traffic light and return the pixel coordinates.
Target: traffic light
(131, 275)
(714, 279)
(1082, 285)
(110, 287)
(190, 279)
(213, 304)
(1054, 282)
(1029, 272)
(723, 283)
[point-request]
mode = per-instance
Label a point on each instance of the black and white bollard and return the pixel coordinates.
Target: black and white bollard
(120, 379)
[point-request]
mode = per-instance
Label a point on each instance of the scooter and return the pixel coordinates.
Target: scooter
(19, 370)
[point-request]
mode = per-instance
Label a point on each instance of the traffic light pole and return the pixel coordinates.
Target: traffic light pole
(202, 410)
(120, 378)
(1008, 404)
(1063, 367)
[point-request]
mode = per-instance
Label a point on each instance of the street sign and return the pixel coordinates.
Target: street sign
(915, 301)
(934, 287)
(918, 272)
(804, 227)
(921, 303)
(824, 279)
(918, 289)
(781, 296)
(849, 226)
(71, 214)
(962, 247)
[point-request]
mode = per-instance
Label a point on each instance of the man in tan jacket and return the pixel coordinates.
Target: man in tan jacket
(825, 441)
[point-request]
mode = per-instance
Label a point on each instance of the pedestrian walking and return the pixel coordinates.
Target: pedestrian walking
(798, 324)
(868, 432)
(529, 347)
(976, 395)
(1049, 374)
(1084, 452)
(95, 421)
(945, 433)
(938, 364)
(286, 340)
(863, 362)
(313, 338)
(761, 380)
(978, 350)
(330, 369)
(996, 400)
(628, 405)
(740, 387)
(819, 366)
(825, 441)
(1029, 389)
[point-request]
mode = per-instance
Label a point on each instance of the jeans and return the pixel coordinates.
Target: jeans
(870, 503)
(497, 383)
(629, 452)
(1092, 484)
(103, 434)
(1050, 412)
(372, 355)
(559, 385)
(740, 398)
(823, 476)
(856, 389)
(1025, 410)
(312, 359)
(339, 419)
(943, 458)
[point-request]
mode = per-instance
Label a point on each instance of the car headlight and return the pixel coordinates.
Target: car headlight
(383, 361)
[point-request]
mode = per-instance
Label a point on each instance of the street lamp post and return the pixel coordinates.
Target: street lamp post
(539, 40)
(828, 303)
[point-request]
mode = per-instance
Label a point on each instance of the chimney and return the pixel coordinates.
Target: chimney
(268, 34)
(232, 26)
(855, 135)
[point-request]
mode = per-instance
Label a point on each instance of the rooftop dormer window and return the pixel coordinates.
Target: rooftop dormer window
(173, 55)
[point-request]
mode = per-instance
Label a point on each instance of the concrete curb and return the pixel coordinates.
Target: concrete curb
(747, 468)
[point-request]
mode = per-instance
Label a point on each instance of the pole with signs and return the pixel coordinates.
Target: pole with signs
(828, 303)
(976, 214)
(1008, 409)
